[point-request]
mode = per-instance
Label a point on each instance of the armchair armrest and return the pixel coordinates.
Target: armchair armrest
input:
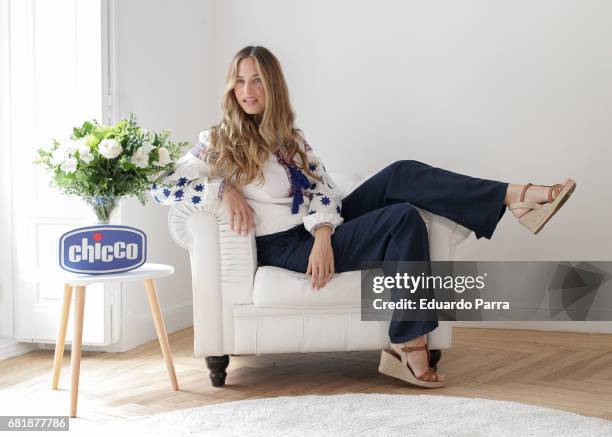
(223, 265)
(444, 235)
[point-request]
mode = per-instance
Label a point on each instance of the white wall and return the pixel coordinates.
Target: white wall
(163, 61)
(517, 91)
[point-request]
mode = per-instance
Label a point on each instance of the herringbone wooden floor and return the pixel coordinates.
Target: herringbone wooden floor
(568, 371)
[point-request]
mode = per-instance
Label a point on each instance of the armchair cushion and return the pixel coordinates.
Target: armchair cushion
(280, 288)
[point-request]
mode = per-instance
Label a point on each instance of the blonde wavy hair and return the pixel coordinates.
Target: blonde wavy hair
(241, 143)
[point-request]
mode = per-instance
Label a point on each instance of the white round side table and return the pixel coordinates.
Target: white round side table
(147, 272)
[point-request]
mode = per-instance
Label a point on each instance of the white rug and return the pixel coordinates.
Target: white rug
(362, 414)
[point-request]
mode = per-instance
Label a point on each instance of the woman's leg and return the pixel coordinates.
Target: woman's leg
(478, 204)
(392, 233)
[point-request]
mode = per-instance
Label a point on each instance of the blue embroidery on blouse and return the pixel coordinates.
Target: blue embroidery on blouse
(181, 182)
(178, 195)
(196, 199)
(298, 182)
(325, 200)
(312, 166)
(338, 209)
(199, 188)
(167, 192)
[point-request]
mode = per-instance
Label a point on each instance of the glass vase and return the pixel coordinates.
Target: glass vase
(103, 207)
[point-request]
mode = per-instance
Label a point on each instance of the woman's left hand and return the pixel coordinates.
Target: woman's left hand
(321, 259)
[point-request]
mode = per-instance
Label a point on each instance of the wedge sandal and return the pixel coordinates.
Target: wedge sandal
(392, 364)
(541, 213)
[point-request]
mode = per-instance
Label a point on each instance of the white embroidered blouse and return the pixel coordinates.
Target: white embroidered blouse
(287, 197)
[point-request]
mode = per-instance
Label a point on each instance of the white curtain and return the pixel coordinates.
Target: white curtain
(6, 293)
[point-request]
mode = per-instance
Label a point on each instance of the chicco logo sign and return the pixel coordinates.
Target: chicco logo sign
(102, 249)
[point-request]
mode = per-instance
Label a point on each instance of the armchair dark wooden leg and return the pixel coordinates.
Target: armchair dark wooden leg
(434, 358)
(217, 366)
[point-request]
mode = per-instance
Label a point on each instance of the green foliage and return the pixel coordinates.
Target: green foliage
(87, 166)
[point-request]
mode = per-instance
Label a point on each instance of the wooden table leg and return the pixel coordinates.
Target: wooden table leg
(79, 309)
(161, 330)
(61, 336)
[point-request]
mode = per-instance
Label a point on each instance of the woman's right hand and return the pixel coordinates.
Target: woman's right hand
(239, 211)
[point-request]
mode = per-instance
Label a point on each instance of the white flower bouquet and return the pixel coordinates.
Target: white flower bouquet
(104, 163)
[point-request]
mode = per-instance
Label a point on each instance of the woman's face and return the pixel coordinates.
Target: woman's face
(249, 89)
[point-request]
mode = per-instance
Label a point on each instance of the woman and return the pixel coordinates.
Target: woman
(271, 181)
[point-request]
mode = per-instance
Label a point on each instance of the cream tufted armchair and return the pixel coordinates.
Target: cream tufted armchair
(240, 308)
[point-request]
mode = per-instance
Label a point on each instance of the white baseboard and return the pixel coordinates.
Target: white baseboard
(577, 326)
(142, 330)
(9, 348)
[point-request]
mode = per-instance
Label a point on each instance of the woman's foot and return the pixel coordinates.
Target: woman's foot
(534, 194)
(418, 360)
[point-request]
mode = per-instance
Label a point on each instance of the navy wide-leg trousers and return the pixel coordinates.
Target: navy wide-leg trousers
(380, 226)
